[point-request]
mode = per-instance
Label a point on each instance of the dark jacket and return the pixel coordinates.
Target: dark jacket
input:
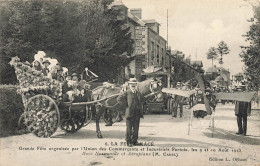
(45, 71)
(127, 100)
(242, 108)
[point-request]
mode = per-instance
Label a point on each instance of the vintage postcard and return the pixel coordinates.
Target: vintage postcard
(129, 82)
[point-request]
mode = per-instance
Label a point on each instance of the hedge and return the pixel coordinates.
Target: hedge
(11, 108)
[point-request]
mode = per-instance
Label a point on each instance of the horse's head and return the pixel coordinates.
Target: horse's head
(155, 84)
(150, 85)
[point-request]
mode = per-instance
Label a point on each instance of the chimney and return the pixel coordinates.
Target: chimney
(137, 12)
(215, 66)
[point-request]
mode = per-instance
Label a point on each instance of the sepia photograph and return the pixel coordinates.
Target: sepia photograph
(129, 82)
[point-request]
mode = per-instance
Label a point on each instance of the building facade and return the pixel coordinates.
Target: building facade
(149, 48)
(219, 71)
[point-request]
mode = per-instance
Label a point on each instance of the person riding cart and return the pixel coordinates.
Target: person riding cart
(46, 63)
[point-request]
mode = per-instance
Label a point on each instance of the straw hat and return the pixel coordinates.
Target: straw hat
(132, 81)
(74, 74)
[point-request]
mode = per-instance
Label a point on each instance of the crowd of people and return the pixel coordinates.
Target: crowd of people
(74, 87)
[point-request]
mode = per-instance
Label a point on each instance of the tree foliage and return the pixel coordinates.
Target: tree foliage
(212, 54)
(215, 52)
(182, 70)
(78, 34)
(222, 50)
(251, 54)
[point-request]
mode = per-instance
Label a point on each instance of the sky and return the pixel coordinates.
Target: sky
(201, 24)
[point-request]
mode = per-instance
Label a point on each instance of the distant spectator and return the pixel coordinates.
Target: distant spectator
(242, 110)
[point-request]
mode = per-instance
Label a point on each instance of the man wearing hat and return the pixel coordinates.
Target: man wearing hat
(242, 110)
(58, 65)
(60, 76)
(46, 63)
(132, 100)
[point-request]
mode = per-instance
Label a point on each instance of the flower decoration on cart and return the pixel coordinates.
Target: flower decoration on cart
(33, 82)
(40, 95)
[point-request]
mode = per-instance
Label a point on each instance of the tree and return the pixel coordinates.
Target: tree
(222, 50)
(251, 54)
(78, 34)
(212, 54)
(182, 69)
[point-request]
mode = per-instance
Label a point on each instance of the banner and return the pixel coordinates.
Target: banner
(236, 96)
(179, 92)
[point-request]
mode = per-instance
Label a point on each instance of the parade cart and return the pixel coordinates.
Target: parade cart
(45, 110)
(155, 104)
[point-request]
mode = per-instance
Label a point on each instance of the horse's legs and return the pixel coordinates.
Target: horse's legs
(99, 112)
(210, 120)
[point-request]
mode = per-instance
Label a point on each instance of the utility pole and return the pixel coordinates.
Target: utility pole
(167, 30)
(196, 54)
(168, 52)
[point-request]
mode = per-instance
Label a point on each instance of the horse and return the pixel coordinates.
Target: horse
(145, 88)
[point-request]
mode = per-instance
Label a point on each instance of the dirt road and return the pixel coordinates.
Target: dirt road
(166, 142)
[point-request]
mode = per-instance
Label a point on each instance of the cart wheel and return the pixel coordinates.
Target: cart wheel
(169, 106)
(76, 121)
(41, 116)
(115, 116)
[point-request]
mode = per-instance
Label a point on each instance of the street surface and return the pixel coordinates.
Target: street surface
(165, 138)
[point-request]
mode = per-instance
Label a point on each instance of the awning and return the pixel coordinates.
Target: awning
(154, 70)
(179, 92)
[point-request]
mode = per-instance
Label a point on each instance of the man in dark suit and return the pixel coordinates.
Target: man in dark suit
(242, 110)
(132, 100)
(178, 103)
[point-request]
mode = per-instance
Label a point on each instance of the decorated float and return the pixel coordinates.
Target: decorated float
(48, 105)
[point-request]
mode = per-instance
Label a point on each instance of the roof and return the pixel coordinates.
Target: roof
(150, 21)
(135, 19)
(197, 63)
(118, 3)
(134, 9)
(219, 78)
(154, 70)
(216, 70)
(238, 74)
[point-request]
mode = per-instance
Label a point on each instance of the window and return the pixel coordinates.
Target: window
(158, 55)
(162, 61)
(162, 52)
(152, 51)
(158, 59)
